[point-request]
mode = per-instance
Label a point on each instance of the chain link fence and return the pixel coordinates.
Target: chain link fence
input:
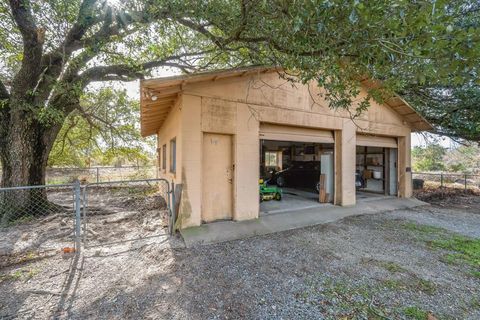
(37, 219)
(464, 181)
(122, 211)
(98, 174)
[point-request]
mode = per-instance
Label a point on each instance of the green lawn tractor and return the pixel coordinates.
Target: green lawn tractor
(269, 192)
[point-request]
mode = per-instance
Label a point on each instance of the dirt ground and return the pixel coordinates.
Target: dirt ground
(383, 266)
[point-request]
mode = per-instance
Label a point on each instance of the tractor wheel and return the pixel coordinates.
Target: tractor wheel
(261, 198)
(278, 196)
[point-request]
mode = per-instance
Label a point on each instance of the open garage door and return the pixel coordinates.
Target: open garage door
(376, 165)
(288, 133)
(298, 161)
(376, 141)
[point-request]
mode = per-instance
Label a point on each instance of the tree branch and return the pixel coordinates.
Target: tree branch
(85, 19)
(26, 23)
(121, 72)
(33, 38)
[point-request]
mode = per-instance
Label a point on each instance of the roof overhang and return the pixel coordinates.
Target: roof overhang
(159, 96)
(400, 106)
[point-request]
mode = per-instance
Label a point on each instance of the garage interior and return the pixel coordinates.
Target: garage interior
(376, 167)
(304, 171)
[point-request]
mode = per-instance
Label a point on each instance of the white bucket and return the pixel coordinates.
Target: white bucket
(377, 175)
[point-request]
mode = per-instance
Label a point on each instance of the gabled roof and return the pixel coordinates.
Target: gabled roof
(158, 96)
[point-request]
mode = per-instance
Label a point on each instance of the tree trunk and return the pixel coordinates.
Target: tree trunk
(24, 157)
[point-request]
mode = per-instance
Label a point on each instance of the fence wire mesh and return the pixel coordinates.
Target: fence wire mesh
(36, 218)
(446, 180)
(122, 211)
(98, 174)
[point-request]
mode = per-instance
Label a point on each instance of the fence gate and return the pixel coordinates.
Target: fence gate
(123, 211)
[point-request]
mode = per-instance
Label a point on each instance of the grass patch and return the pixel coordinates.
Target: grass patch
(395, 284)
(425, 229)
(21, 274)
(475, 303)
(475, 274)
(391, 266)
(351, 301)
(415, 284)
(415, 313)
(426, 286)
(464, 250)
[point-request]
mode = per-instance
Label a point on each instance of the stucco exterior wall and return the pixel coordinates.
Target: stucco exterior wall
(172, 128)
(272, 99)
(237, 106)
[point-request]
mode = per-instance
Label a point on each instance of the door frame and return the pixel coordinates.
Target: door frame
(233, 176)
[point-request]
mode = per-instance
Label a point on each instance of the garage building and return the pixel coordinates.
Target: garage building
(222, 133)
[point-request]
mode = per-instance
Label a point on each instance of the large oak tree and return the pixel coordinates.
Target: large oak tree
(52, 50)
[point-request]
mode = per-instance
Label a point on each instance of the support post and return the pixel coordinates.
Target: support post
(98, 175)
(441, 180)
(345, 157)
(465, 182)
(77, 194)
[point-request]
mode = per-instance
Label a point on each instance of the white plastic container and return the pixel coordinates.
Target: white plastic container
(377, 175)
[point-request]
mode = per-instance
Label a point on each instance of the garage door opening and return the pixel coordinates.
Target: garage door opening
(376, 171)
(302, 172)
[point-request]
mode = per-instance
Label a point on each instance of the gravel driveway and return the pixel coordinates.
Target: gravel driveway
(366, 267)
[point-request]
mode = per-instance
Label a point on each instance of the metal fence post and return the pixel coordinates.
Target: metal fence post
(98, 175)
(77, 193)
(441, 180)
(465, 182)
(173, 208)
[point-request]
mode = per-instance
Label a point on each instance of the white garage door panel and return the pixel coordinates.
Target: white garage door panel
(289, 133)
(376, 141)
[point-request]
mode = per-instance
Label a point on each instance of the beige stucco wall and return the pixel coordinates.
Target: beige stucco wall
(237, 106)
(172, 128)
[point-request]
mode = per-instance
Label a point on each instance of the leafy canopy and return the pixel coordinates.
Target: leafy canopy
(104, 131)
(339, 43)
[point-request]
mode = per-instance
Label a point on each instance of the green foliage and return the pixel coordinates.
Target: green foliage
(392, 266)
(464, 250)
(453, 110)
(429, 158)
(338, 42)
(459, 249)
(434, 157)
(103, 131)
(464, 158)
(416, 313)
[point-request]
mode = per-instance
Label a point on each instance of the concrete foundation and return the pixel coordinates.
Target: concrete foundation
(230, 230)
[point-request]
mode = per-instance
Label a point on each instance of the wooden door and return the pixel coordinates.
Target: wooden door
(217, 185)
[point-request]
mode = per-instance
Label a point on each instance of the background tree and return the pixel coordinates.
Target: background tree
(52, 50)
(429, 158)
(103, 130)
(464, 158)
